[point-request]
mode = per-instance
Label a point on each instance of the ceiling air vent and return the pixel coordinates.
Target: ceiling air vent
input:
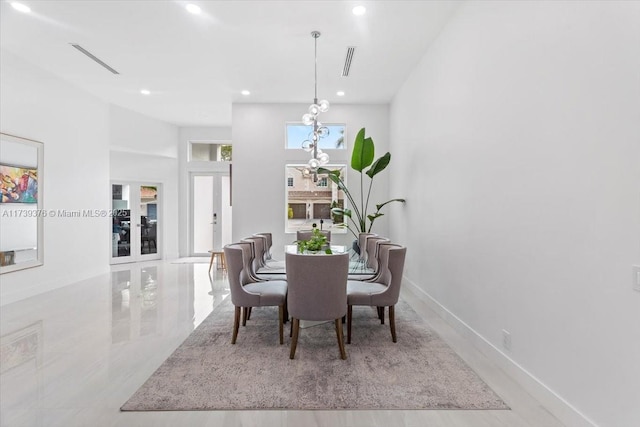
(95, 58)
(347, 61)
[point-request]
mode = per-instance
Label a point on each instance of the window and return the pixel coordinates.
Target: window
(209, 152)
(297, 133)
(308, 200)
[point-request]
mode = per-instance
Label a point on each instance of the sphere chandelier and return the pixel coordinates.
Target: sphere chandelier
(311, 145)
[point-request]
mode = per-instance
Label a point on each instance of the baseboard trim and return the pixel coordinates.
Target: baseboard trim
(554, 403)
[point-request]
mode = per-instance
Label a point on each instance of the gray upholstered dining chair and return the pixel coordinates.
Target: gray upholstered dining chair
(382, 293)
(317, 291)
(259, 268)
(372, 259)
(245, 293)
(372, 251)
(269, 262)
(362, 245)
(258, 251)
(269, 243)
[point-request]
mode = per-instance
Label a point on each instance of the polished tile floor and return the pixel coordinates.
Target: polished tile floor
(73, 356)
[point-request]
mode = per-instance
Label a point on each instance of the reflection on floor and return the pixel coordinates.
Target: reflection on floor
(73, 356)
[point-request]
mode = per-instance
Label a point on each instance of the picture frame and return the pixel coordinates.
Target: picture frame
(21, 209)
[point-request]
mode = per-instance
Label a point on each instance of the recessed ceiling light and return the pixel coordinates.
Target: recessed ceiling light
(245, 93)
(21, 7)
(192, 8)
(145, 92)
(340, 93)
(359, 10)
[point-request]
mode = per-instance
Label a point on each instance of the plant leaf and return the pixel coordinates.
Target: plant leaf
(340, 211)
(374, 216)
(363, 152)
(323, 171)
(378, 207)
(379, 165)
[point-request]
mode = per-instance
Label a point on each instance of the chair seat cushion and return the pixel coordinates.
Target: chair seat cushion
(363, 293)
(273, 292)
(361, 277)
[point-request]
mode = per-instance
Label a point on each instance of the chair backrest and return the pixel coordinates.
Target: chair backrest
(372, 250)
(269, 243)
(258, 251)
(306, 234)
(235, 256)
(317, 286)
(248, 275)
(362, 245)
(392, 258)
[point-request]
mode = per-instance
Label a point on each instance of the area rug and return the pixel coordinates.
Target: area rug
(207, 372)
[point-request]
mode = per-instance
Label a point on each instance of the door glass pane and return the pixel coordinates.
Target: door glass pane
(225, 209)
(121, 233)
(148, 219)
(202, 214)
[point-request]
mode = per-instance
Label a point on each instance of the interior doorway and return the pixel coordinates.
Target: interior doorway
(210, 225)
(136, 222)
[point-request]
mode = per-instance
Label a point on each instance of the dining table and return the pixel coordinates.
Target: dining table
(277, 270)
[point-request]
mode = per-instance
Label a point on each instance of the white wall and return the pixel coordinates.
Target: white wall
(518, 149)
(146, 150)
(259, 160)
(73, 127)
(134, 132)
(186, 135)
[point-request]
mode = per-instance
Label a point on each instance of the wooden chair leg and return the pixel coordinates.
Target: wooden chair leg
(286, 311)
(349, 317)
(281, 323)
(381, 312)
(211, 262)
(245, 311)
(294, 341)
(392, 322)
(249, 314)
(236, 324)
(343, 353)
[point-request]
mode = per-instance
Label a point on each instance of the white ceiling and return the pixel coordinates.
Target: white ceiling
(196, 65)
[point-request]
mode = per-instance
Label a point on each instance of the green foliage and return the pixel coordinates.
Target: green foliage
(316, 243)
(225, 153)
(336, 217)
(361, 158)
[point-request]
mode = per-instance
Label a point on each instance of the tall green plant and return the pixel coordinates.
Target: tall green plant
(361, 158)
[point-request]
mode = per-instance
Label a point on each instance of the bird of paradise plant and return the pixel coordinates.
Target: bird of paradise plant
(359, 221)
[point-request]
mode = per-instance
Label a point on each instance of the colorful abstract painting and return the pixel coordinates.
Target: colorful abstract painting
(18, 184)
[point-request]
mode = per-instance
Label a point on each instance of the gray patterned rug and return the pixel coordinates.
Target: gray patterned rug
(206, 372)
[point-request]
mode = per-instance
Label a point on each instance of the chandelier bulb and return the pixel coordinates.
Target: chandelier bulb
(314, 109)
(323, 158)
(323, 131)
(307, 119)
(314, 164)
(323, 106)
(307, 146)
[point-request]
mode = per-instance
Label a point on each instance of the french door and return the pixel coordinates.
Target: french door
(136, 222)
(210, 203)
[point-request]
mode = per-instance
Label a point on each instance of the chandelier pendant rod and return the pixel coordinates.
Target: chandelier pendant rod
(315, 35)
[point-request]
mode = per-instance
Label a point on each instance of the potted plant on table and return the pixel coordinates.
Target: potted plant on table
(316, 244)
(359, 219)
